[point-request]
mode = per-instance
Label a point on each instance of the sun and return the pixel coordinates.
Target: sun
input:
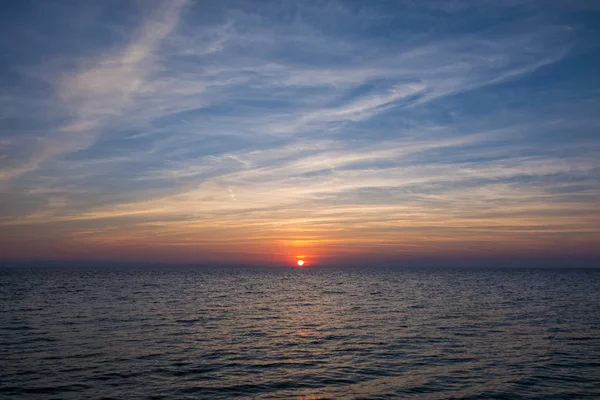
(300, 263)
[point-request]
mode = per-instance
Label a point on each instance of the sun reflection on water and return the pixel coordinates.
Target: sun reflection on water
(304, 332)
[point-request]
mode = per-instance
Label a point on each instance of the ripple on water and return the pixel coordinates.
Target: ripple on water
(301, 334)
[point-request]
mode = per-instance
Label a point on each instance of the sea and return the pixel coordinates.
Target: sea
(289, 333)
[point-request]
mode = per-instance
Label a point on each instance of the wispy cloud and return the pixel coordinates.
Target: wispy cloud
(265, 129)
(99, 89)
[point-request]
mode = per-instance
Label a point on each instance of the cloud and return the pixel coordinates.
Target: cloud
(106, 85)
(100, 88)
(297, 125)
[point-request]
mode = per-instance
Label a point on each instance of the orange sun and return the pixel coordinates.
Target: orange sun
(300, 263)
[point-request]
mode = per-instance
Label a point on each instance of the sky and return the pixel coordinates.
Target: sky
(259, 132)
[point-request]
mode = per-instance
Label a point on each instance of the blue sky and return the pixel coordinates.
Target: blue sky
(262, 130)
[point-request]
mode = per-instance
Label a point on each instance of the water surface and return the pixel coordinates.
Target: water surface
(299, 333)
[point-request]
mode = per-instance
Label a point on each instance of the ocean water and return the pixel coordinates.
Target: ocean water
(186, 333)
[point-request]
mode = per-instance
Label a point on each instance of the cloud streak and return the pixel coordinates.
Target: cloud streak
(243, 129)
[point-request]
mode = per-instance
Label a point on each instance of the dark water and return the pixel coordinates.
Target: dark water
(299, 334)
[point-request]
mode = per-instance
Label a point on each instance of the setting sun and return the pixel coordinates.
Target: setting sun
(300, 263)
